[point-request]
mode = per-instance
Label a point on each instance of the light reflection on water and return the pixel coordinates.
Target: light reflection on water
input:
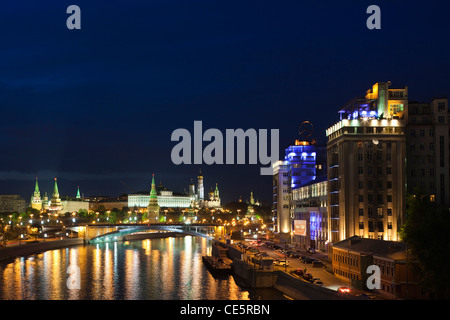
(167, 269)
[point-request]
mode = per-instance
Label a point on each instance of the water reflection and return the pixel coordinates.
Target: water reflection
(169, 268)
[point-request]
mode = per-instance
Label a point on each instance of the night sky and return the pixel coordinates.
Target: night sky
(96, 107)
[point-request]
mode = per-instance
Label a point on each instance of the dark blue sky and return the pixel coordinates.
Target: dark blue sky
(96, 107)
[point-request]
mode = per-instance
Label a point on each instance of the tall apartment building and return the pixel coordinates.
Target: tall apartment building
(281, 193)
(366, 166)
(302, 163)
(427, 152)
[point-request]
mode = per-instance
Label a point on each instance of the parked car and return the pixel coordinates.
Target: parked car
(311, 250)
(293, 254)
(308, 276)
(318, 264)
(307, 260)
(298, 272)
(317, 281)
(283, 263)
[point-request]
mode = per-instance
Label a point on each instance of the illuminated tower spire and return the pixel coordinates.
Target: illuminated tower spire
(153, 207)
(200, 189)
(78, 193)
(250, 210)
(56, 200)
(55, 189)
(216, 193)
(36, 188)
(36, 202)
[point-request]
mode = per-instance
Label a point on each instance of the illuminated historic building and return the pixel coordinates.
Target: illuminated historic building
(352, 257)
(427, 150)
(169, 199)
(200, 188)
(45, 202)
(55, 203)
(153, 207)
(250, 208)
(214, 199)
(36, 201)
(366, 166)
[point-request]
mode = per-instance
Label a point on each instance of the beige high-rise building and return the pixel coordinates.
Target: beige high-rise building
(281, 196)
(366, 166)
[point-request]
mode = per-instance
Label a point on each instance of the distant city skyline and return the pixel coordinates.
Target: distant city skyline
(96, 107)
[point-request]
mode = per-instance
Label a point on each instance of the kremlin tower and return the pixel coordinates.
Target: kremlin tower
(55, 203)
(153, 207)
(36, 202)
(250, 210)
(200, 189)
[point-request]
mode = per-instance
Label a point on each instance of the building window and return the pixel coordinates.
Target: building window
(361, 211)
(389, 170)
(441, 106)
(389, 198)
(380, 212)
(441, 119)
(360, 170)
(389, 211)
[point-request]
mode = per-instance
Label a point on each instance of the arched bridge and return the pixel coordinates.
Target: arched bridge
(121, 230)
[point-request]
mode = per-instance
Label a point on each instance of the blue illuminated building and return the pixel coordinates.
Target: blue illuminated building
(306, 172)
(303, 164)
(302, 161)
(306, 161)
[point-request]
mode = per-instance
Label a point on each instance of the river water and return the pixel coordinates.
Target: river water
(156, 269)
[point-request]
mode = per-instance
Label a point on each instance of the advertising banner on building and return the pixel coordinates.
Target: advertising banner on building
(300, 227)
